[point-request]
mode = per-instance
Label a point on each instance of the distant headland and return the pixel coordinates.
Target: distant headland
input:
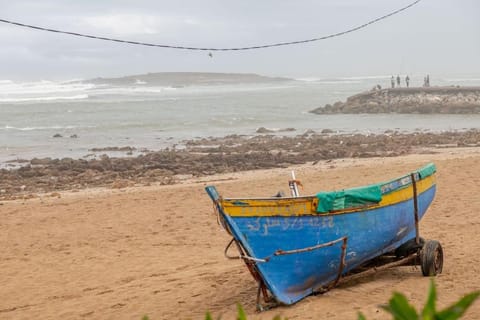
(443, 100)
(181, 79)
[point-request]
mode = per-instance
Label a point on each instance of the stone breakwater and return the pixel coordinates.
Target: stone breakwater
(446, 100)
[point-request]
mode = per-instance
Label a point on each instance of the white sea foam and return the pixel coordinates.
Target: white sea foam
(7, 127)
(330, 80)
(367, 77)
(341, 81)
(48, 98)
(309, 79)
(11, 88)
(152, 89)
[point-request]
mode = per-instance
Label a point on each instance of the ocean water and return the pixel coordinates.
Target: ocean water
(97, 115)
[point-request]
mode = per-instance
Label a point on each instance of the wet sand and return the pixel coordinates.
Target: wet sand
(157, 250)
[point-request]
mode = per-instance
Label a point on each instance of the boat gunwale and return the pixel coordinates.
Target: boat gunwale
(313, 198)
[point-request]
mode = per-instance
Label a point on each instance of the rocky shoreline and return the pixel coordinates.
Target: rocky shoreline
(443, 100)
(204, 157)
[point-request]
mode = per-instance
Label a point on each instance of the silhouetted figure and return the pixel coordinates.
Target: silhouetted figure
(428, 80)
(407, 81)
(393, 82)
(398, 80)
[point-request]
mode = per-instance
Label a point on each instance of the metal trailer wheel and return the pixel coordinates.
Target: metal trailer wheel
(431, 258)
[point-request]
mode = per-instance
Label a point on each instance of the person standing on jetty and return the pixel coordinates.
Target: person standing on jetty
(407, 80)
(426, 81)
(398, 80)
(393, 82)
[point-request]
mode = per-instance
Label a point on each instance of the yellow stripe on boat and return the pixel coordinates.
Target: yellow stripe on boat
(308, 205)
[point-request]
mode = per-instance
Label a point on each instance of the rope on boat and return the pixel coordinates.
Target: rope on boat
(263, 46)
(220, 220)
(280, 252)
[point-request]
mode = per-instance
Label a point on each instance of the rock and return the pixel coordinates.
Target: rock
(127, 149)
(324, 131)
(450, 100)
(263, 130)
(120, 184)
(308, 132)
(57, 135)
(338, 104)
(217, 155)
(43, 161)
(74, 136)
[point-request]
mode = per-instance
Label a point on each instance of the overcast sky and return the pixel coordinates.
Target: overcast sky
(434, 36)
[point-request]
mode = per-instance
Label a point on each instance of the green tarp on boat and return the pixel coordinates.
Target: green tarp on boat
(426, 171)
(361, 196)
(348, 198)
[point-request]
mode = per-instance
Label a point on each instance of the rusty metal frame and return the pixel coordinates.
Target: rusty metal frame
(415, 208)
(342, 263)
(250, 262)
(242, 254)
(269, 300)
(374, 270)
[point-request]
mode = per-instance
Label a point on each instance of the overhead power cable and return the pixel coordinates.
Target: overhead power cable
(215, 49)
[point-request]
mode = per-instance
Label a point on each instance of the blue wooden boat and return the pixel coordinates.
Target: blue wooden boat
(296, 246)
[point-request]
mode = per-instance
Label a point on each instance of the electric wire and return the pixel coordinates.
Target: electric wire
(279, 44)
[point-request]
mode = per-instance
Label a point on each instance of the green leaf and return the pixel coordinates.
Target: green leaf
(208, 316)
(145, 317)
(456, 310)
(429, 311)
(361, 316)
(241, 313)
(399, 308)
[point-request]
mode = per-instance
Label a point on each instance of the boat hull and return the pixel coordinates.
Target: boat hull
(297, 252)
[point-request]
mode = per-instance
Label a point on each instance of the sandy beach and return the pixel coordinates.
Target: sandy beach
(157, 250)
(117, 116)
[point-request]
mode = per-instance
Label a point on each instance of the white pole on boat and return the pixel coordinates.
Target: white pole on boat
(293, 186)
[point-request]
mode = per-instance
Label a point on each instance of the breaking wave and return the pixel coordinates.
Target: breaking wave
(7, 127)
(49, 98)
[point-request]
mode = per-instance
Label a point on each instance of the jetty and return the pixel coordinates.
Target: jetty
(444, 100)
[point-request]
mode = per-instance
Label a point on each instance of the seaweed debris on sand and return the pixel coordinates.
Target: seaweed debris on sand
(205, 157)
